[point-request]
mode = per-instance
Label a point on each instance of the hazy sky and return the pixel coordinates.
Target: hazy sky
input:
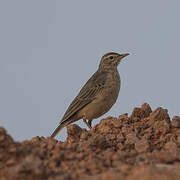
(49, 49)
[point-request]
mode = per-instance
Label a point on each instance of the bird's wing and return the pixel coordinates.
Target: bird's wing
(86, 95)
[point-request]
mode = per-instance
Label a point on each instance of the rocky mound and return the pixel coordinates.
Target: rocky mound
(145, 145)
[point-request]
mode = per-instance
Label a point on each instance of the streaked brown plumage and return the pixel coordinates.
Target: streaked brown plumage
(97, 96)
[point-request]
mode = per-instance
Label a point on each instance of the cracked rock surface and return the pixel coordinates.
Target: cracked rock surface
(144, 145)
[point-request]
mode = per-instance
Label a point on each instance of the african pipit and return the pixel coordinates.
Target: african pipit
(97, 96)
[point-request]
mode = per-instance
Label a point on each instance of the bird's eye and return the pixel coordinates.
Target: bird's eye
(111, 57)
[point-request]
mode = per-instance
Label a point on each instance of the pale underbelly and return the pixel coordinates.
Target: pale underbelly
(98, 107)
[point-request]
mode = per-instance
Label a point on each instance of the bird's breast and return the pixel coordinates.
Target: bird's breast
(104, 99)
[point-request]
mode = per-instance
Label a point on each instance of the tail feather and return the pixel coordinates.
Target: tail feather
(56, 131)
(63, 124)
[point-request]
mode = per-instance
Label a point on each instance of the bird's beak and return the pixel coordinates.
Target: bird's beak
(123, 55)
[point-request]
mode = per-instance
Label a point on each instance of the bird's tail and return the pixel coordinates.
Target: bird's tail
(63, 124)
(56, 131)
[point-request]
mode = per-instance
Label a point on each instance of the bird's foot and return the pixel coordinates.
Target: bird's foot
(87, 123)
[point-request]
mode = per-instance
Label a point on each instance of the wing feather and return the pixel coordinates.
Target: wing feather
(86, 95)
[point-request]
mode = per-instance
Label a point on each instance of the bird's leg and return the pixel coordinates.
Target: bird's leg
(87, 123)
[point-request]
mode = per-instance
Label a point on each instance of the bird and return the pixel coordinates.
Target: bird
(98, 94)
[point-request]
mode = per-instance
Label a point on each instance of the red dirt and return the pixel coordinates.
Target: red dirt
(144, 146)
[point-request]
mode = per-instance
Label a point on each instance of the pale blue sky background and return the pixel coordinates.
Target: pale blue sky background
(48, 49)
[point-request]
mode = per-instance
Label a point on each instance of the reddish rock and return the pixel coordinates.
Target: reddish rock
(160, 114)
(145, 145)
(155, 173)
(142, 146)
(131, 138)
(74, 132)
(176, 121)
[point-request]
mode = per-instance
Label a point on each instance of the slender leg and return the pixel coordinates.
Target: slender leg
(87, 123)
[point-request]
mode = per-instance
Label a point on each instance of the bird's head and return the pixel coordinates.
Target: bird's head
(111, 60)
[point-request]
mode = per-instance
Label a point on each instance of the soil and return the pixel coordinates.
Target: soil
(143, 146)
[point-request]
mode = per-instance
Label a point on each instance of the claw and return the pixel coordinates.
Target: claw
(87, 123)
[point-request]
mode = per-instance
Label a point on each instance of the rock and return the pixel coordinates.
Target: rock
(142, 146)
(142, 112)
(116, 148)
(176, 121)
(160, 114)
(155, 173)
